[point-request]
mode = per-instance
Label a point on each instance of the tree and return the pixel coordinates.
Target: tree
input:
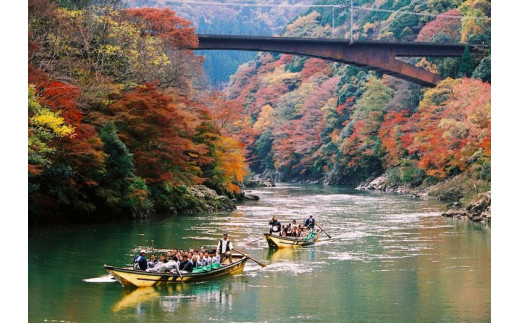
(447, 26)
(466, 64)
(121, 190)
(452, 127)
(483, 70)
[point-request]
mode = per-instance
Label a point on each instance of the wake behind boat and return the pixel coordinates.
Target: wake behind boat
(141, 278)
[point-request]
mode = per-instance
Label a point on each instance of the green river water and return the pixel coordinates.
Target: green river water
(391, 259)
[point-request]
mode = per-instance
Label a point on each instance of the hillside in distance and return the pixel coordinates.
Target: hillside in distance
(317, 121)
(230, 20)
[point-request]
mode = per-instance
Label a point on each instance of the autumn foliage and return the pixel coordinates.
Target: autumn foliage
(316, 120)
(116, 127)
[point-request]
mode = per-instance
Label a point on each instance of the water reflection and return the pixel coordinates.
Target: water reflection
(134, 298)
(290, 254)
(176, 298)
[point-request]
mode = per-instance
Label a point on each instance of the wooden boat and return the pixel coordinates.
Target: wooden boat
(276, 241)
(141, 278)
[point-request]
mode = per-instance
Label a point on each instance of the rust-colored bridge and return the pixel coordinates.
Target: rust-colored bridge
(377, 55)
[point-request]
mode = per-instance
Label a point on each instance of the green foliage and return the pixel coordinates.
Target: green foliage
(296, 64)
(466, 64)
(410, 173)
(263, 147)
(483, 70)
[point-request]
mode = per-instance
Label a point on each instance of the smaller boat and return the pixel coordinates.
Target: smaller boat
(142, 278)
(276, 241)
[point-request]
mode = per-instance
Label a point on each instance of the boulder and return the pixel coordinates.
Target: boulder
(200, 198)
(478, 211)
(258, 181)
(452, 195)
(251, 197)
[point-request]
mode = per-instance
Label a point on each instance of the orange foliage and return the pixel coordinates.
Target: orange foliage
(163, 23)
(153, 128)
(390, 133)
(449, 27)
(314, 66)
(452, 124)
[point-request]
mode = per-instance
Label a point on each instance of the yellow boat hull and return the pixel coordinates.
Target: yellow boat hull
(141, 278)
(289, 242)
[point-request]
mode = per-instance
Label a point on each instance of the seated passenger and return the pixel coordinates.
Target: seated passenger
(196, 261)
(186, 264)
(153, 261)
(216, 256)
(160, 266)
(205, 260)
(284, 230)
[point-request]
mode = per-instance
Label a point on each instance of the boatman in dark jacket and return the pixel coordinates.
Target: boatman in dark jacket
(140, 261)
(309, 223)
(276, 226)
(224, 248)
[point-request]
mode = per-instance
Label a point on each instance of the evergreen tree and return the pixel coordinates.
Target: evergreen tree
(466, 64)
(119, 180)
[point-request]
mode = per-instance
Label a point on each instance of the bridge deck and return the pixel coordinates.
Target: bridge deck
(379, 55)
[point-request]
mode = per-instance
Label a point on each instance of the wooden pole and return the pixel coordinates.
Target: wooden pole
(249, 257)
(323, 230)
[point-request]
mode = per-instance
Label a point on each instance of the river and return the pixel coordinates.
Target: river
(390, 258)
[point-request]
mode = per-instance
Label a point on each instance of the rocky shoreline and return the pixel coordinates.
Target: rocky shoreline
(477, 211)
(201, 199)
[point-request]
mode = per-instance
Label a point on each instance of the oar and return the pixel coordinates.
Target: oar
(249, 257)
(323, 230)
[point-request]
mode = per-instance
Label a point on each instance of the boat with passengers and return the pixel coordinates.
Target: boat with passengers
(142, 278)
(278, 241)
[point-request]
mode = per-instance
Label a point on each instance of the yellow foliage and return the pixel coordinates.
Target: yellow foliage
(430, 67)
(230, 161)
(53, 122)
(472, 26)
(280, 76)
(438, 94)
(265, 119)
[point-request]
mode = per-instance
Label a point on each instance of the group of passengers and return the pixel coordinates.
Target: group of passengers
(292, 229)
(184, 261)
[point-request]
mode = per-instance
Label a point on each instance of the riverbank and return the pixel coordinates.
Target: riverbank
(186, 200)
(465, 198)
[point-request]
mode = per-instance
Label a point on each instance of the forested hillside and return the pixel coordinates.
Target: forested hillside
(118, 124)
(230, 20)
(314, 120)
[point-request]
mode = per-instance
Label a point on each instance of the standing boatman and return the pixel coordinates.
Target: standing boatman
(309, 223)
(224, 248)
(276, 226)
